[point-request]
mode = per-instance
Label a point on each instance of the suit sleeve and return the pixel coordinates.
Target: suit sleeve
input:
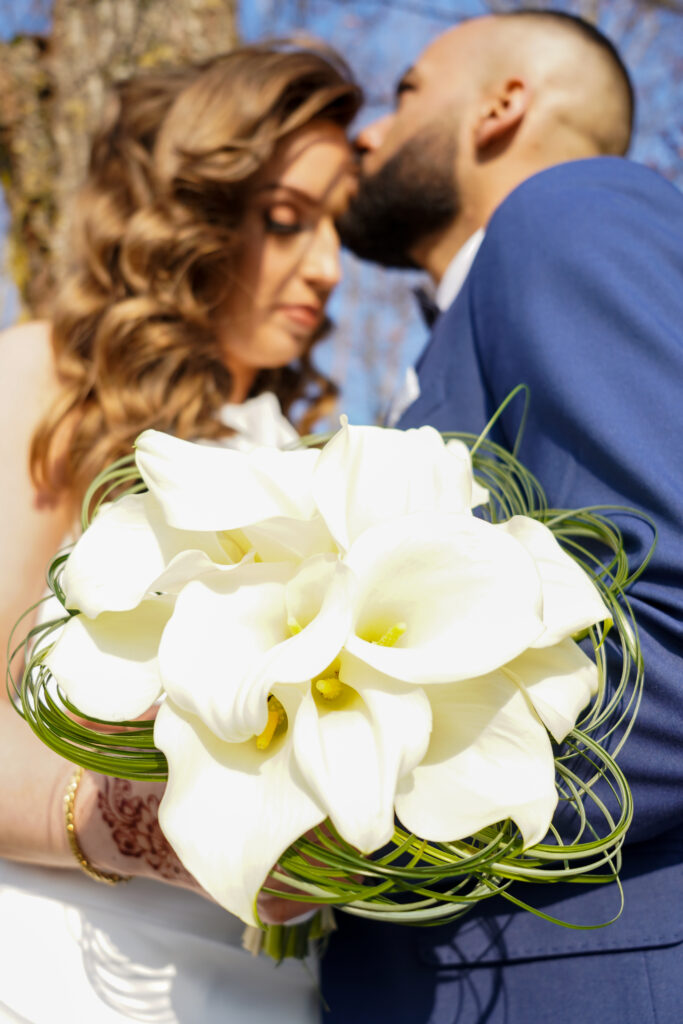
(578, 292)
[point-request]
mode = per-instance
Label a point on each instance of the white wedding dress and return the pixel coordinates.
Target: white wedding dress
(73, 950)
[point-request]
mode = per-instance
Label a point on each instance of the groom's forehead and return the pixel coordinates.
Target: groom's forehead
(452, 51)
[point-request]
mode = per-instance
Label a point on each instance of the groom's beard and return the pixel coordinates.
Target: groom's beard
(412, 196)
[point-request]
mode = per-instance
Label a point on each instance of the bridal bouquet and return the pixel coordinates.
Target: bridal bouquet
(362, 686)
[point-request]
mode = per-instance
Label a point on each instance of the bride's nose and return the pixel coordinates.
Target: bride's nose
(370, 138)
(321, 265)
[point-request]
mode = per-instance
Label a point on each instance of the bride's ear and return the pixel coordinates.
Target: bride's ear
(502, 113)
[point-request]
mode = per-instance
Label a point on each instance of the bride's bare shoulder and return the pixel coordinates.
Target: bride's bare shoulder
(27, 359)
(28, 387)
(28, 376)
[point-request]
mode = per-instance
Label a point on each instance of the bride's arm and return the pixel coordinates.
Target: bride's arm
(31, 776)
(116, 823)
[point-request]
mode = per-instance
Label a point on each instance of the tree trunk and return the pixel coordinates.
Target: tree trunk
(52, 92)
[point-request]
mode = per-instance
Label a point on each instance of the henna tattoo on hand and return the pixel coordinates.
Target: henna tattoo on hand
(135, 828)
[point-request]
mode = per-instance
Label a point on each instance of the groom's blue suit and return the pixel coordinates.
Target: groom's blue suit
(576, 291)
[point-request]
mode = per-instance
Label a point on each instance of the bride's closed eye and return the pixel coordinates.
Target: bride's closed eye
(282, 219)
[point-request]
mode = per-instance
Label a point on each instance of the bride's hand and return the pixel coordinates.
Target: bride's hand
(277, 910)
(117, 828)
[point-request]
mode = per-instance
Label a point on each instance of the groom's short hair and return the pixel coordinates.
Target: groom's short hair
(586, 30)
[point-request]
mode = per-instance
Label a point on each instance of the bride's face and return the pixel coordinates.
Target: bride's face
(289, 263)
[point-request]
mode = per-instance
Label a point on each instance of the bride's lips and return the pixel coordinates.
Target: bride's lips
(309, 317)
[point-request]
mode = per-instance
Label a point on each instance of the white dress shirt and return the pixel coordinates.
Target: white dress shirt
(457, 270)
(445, 295)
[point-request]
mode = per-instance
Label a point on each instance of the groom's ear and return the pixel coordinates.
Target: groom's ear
(502, 113)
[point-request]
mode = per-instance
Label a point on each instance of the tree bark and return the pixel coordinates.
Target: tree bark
(52, 92)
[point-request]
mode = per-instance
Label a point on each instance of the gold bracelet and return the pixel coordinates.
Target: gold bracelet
(83, 862)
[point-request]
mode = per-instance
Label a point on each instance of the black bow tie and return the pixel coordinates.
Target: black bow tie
(428, 308)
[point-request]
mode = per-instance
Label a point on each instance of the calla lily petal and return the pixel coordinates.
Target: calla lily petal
(401, 713)
(290, 540)
(208, 488)
(356, 483)
(251, 805)
(310, 588)
(318, 599)
(108, 666)
(241, 622)
(119, 557)
(221, 626)
(352, 751)
(559, 682)
(468, 595)
(192, 565)
(459, 450)
(337, 756)
(571, 601)
(489, 759)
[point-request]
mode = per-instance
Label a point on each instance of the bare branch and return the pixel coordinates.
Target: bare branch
(52, 93)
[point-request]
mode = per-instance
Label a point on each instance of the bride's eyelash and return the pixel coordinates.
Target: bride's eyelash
(278, 227)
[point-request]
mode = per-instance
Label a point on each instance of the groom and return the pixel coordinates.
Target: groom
(558, 265)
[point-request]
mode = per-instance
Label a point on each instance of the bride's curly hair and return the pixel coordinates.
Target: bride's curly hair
(155, 247)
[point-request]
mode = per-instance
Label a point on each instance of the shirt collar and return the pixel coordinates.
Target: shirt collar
(457, 271)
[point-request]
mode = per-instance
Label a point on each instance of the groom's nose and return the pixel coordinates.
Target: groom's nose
(370, 138)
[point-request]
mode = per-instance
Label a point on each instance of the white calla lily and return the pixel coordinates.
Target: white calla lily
(353, 748)
(125, 551)
(370, 475)
(194, 565)
(559, 681)
(459, 450)
(339, 758)
(337, 753)
(209, 488)
(571, 601)
(490, 749)
(241, 624)
(403, 731)
(466, 595)
(289, 540)
(229, 809)
(233, 620)
(489, 759)
(107, 666)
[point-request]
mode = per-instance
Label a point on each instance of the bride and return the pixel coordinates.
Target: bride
(204, 252)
